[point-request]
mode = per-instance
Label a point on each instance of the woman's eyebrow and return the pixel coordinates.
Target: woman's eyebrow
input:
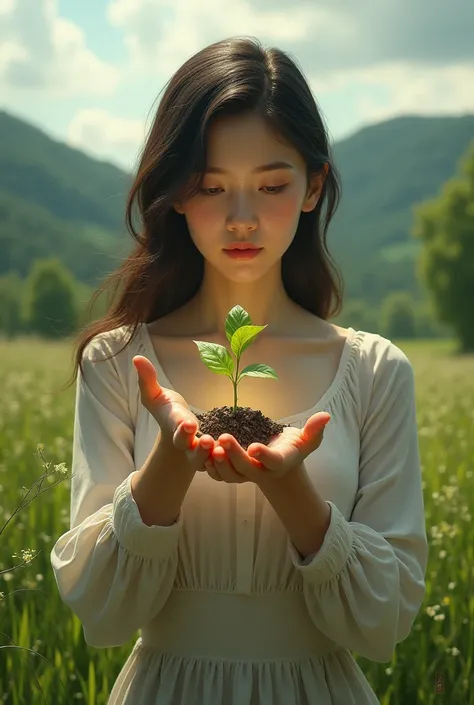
(258, 170)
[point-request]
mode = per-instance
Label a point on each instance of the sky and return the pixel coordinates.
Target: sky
(90, 72)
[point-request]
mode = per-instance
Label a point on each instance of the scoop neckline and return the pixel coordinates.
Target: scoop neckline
(327, 396)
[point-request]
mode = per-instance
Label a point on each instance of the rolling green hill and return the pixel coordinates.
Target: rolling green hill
(56, 200)
(386, 170)
(65, 181)
(29, 232)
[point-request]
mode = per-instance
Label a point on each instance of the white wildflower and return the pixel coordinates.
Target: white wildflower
(27, 555)
(61, 468)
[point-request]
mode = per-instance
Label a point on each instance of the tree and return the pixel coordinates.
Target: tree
(445, 225)
(397, 316)
(50, 301)
(358, 314)
(11, 290)
(427, 324)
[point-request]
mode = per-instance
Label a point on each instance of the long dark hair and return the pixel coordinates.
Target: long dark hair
(165, 269)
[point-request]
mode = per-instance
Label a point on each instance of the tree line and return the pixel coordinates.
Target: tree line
(51, 303)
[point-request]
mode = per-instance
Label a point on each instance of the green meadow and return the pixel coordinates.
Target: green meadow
(55, 666)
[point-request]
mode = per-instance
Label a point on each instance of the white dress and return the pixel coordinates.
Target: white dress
(229, 613)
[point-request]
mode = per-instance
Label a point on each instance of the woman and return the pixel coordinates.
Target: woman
(252, 574)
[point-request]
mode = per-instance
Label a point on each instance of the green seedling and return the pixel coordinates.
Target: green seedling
(240, 333)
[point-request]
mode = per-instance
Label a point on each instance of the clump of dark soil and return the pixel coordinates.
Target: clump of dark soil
(245, 424)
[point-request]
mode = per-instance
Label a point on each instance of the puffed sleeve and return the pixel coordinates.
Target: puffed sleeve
(366, 584)
(114, 571)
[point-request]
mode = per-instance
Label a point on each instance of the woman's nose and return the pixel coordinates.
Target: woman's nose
(242, 214)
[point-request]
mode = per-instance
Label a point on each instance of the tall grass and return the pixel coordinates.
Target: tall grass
(439, 653)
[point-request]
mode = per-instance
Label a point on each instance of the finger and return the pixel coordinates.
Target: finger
(239, 458)
(317, 421)
(184, 438)
(202, 452)
(312, 432)
(227, 472)
(147, 377)
(274, 460)
(206, 442)
(184, 435)
(212, 472)
(297, 450)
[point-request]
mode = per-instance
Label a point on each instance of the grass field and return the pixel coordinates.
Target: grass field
(440, 649)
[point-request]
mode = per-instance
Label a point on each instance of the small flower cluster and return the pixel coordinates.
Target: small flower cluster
(27, 555)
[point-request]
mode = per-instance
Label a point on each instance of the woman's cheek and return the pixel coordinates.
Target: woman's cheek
(202, 215)
(284, 208)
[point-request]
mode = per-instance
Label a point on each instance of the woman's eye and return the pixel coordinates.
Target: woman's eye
(277, 189)
(206, 191)
(274, 190)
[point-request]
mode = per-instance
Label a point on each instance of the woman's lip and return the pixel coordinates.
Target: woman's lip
(244, 254)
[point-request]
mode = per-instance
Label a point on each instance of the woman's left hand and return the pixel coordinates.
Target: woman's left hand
(285, 452)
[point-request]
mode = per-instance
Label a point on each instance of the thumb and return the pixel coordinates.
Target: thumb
(324, 419)
(316, 424)
(147, 378)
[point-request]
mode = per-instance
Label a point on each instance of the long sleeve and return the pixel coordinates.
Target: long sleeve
(113, 571)
(365, 586)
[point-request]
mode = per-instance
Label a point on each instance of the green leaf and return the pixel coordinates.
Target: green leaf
(23, 638)
(243, 337)
(92, 684)
(216, 357)
(236, 318)
(258, 370)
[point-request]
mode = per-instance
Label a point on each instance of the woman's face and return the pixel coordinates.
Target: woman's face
(244, 203)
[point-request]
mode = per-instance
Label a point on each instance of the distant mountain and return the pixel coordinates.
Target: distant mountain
(56, 200)
(29, 232)
(386, 169)
(65, 181)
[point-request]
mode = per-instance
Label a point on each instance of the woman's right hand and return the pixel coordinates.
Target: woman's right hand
(177, 422)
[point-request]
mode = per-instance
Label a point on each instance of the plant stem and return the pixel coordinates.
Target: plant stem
(234, 382)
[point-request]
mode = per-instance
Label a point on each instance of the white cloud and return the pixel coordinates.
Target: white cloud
(434, 90)
(40, 50)
(331, 36)
(419, 55)
(162, 34)
(108, 136)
